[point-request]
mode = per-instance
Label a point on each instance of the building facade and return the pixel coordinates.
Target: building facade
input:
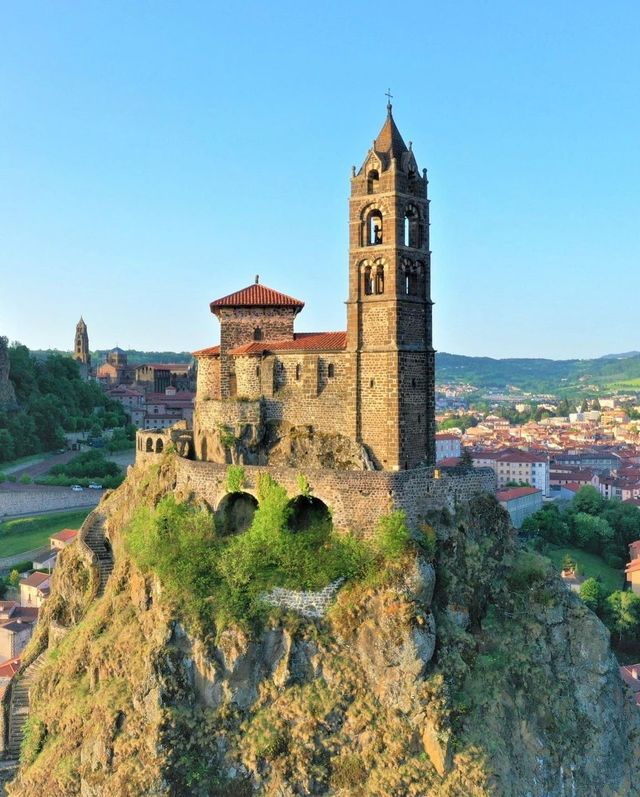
(373, 383)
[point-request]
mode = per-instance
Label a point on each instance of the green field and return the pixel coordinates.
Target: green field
(589, 565)
(25, 534)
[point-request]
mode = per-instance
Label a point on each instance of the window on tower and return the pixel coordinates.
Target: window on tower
(257, 333)
(380, 279)
(412, 227)
(374, 228)
(372, 179)
(368, 281)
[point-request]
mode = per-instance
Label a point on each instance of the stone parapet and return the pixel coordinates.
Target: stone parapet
(313, 604)
(356, 499)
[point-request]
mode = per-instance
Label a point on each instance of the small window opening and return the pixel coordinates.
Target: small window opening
(331, 371)
(368, 282)
(257, 333)
(413, 383)
(298, 372)
(411, 227)
(258, 371)
(374, 228)
(380, 279)
(372, 179)
(372, 382)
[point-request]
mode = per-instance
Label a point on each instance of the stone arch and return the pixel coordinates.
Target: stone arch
(149, 446)
(235, 512)
(371, 226)
(373, 175)
(309, 512)
(412, 228)
(159, 446)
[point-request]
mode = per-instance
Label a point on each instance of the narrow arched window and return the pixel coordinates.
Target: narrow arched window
(380, 279)
(374, 228)
(372, 179)
(368, 282)
(257, 333)
(298, 372)
(331, 371)
(412, 227)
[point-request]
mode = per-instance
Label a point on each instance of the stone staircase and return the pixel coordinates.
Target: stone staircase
(94, 539)
(19, 706)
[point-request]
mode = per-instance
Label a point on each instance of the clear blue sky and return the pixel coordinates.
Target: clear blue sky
(156, 155)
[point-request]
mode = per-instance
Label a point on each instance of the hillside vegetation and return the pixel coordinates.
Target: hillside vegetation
(540, 375)
(462, 668)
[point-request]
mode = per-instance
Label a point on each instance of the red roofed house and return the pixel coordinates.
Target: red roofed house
(34, 589)
(63, 538)
(520, 502)
(16, 626)
(373, 383)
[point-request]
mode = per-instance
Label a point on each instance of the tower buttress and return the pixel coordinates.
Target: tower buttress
(389, 319)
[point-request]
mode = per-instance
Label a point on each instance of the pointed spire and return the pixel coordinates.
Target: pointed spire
(389, 141)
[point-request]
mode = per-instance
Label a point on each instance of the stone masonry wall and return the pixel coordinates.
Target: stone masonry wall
(356, 498)
(30, 499)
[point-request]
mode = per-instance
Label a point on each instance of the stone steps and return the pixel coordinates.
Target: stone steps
(19, 706)
(94, 538)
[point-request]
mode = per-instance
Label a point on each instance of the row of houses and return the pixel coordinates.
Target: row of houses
(148, 410)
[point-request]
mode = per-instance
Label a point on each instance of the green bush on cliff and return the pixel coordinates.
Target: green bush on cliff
(220, 579)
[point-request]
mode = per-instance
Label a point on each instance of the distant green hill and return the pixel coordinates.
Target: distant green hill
(541, 376)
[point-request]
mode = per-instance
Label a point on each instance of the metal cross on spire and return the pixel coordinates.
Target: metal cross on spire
(389, 97)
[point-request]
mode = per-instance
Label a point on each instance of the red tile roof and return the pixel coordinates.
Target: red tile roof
(449, 462)
(66, 535)
(9, 668)
(572, 486)
(36, 580)
(212, 351)
(256, 295)
(447, 436)
(516, 492)
(302, 341)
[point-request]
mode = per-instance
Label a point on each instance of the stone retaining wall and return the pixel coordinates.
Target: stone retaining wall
(356, 498)
(308, 604)
(30, 499)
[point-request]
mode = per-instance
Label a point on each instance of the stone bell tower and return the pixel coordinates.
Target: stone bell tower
(389, 327)
(81, 348)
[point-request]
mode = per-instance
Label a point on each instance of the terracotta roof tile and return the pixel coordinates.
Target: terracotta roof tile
(256, 295)
(212, 351)
(66, 535)
(302, 341)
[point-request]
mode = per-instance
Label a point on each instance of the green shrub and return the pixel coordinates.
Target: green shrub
(528, 570)
(3, 477)
(429, 541)
(12, 478)
(304, 488)
(392, 538)
(26, 479)
(236, 478)
(20, 567)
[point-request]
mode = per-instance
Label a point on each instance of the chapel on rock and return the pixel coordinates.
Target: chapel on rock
(373, 383)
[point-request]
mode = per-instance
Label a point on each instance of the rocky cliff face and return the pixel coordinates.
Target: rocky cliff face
(480, 677)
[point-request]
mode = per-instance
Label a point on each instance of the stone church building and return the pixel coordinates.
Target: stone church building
(367, 392)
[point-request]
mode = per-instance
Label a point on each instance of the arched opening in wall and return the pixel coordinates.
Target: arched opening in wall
(203, 449)
(235, 513)
(411, 227)
(372, 179)
(310, 514)
(298, 372)
(380, 279)
(258, 371)
(159, 446)
(331, 370)
(233, 385)
(368, 281)
(257, 333)
(373, 228)
(149, 444)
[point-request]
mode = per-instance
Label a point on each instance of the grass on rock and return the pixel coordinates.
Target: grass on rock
(219, 579)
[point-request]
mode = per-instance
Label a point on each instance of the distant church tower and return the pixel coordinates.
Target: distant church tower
(81, 348)
(389, 326)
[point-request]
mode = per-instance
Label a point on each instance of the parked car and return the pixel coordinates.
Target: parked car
(95, 486)
(77, 488)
